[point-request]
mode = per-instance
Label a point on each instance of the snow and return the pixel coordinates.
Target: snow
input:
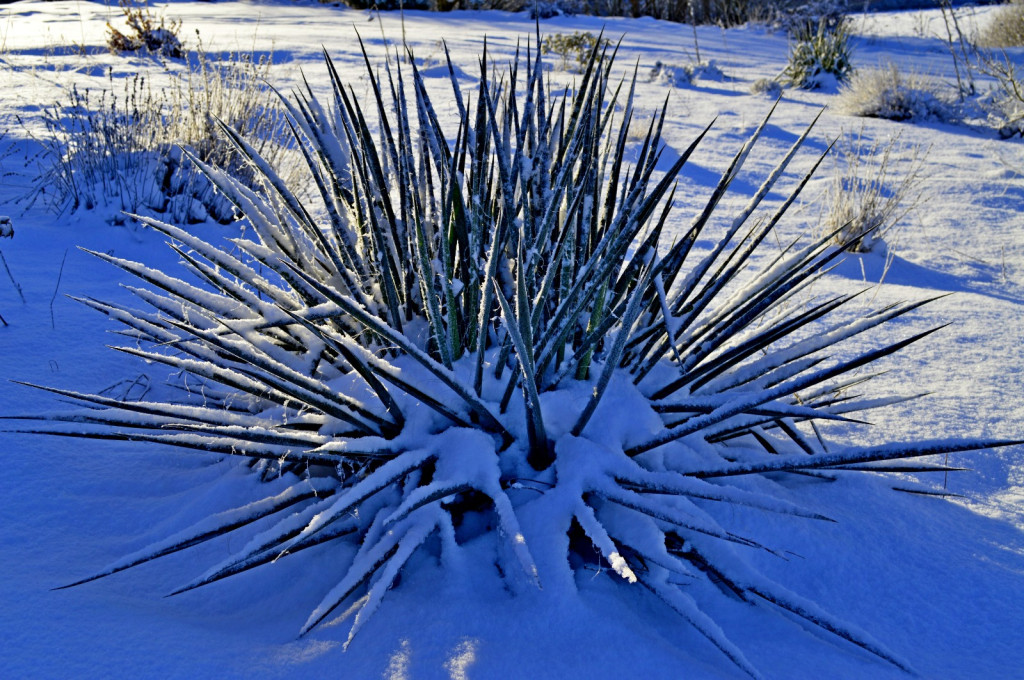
(939, 582)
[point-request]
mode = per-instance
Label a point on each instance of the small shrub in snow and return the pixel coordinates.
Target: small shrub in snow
(867, 199)
(124, 149)
(767, 86)
(683, 76)
(145, 32)
(1005, 101)
(676, 76)
(475, 348)
(819, 56)
(890, 93)
(1005, 27)
(574, 49)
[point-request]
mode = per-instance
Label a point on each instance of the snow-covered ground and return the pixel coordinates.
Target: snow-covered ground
(941, 582)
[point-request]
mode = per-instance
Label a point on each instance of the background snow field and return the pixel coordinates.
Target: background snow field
(939, 581)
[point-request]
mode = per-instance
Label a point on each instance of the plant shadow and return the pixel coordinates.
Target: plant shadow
(888, 267)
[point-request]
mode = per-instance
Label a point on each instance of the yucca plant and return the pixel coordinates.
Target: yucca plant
(431, 353)
(819, 55)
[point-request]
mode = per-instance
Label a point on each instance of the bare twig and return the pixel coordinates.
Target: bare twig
(961, 57)
(17, 287)
(60, 274)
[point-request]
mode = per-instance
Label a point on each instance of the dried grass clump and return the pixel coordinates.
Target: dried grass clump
(868, 198)
(768, 87)
(123, 150)
(890, 93)
(1005, 27)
